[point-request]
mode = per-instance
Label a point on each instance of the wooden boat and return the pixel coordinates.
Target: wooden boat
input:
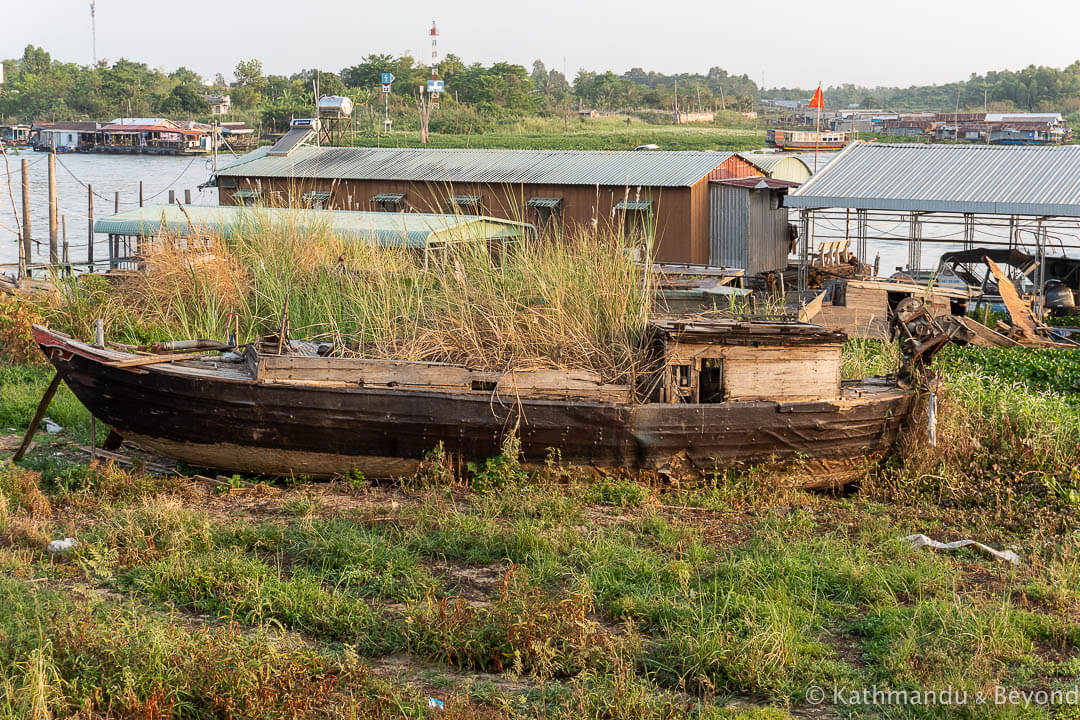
(807, 139)
(721, 393)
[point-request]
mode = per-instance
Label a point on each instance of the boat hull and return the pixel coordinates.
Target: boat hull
(235, 423)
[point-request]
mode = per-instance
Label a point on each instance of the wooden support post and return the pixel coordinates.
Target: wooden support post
(90, 228)
(187, 196)
(116, 203)
(52, 210)
(99, 342)
(26, 241)
(172, 197)
(43, 407)
(140, 193)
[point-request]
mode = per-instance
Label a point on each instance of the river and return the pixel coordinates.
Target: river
(109, 174)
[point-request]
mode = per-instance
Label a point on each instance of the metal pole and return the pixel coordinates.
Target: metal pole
(90, 228)
(26, 215)
(860, 230)
(804, 249)
(1040, 274)
(52, 209)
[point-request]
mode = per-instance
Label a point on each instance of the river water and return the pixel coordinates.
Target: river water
(109, 174)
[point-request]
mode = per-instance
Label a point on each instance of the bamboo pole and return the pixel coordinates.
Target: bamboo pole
(65, 258)
(52, 210)
(26, 241)
(90, 228)
(140, 193)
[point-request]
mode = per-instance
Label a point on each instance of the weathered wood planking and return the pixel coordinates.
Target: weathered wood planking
(808, 372)
(559, 384)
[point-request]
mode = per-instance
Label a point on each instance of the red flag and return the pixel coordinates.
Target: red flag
(818, 101)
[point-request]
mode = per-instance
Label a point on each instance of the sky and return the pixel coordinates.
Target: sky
(790, 44)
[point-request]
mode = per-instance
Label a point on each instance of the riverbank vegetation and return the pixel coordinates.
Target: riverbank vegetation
(480, 99)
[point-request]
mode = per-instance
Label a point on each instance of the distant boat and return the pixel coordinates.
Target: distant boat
(807, 139)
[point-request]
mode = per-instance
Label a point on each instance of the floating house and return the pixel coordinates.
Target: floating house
(64, 136)
(667, 192)
(15, 134)
(155, 136)
(748, 227)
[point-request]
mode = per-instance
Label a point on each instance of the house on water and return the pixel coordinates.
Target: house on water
(666, 192)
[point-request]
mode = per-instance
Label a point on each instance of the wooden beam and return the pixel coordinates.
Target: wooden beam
(43, 407)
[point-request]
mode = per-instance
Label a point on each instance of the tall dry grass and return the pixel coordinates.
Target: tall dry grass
(580, 302)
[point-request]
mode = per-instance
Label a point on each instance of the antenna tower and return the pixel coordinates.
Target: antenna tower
(93, 27)
(434, 62)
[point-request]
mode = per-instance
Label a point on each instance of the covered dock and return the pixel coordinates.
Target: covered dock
(422, 232)
(1027, 198)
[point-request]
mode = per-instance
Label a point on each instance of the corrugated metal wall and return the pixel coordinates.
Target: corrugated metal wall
(729, 225)
(747, 229)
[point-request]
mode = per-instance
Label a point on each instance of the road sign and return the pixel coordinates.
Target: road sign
(387, 78)
(435, 86)
(386, 88)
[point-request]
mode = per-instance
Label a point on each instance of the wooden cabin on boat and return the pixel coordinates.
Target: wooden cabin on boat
(712, 361)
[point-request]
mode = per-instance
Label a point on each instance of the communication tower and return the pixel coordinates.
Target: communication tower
(93, 27)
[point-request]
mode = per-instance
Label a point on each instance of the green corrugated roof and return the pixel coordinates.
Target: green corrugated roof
(415, 230)
(633, 205)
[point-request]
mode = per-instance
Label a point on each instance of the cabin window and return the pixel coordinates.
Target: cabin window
(316, 199)
(711, 381)
(546, 213)
(389, 202)
(247, 197)
(467, 205)
(637, 217)
(227, 183)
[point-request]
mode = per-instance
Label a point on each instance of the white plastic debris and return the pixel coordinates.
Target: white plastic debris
(51, 426)
(919, 540)
(59, 547)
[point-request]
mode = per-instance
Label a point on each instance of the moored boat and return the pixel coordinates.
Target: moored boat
(718, 393)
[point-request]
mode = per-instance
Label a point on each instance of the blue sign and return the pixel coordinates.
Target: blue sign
(387, 78)
(434, 86)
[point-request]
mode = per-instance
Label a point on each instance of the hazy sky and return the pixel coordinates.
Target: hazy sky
(792, 43)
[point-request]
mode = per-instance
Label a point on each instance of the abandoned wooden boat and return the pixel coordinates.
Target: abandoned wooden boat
(722, 393)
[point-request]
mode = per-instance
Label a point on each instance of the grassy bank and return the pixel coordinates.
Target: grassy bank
(543, 597)
(591, 134)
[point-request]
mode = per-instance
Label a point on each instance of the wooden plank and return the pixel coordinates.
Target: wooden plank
(43, 407)
(568, 384)
(366, 372)
(1019, 311)
(775, 374)
(141, 360)
(812, 309)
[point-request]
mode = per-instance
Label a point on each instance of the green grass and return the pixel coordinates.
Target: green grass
(21, 390)
(592, 134)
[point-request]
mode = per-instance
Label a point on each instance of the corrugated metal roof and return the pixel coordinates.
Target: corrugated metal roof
(659, 168)
(991, 179)
(387, 229)
(768, 162)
